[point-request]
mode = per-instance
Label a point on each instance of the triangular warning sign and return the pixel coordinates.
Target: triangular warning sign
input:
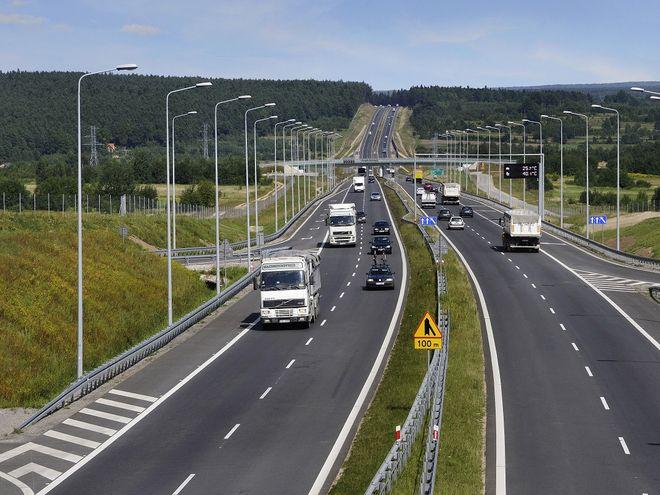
(427, 328)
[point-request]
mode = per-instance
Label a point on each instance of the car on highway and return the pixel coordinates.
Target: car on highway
(380, 245)
(375, 196)
(408, 178)
(467, 211)
(455, 223)
(420, 191)
(380, 276)
(372, 178)
(361, 217)
(444, 214)
(428, 186)
(381, 227)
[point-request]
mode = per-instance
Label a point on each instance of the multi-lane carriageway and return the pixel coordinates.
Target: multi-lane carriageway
(234, 409)
(574, 378)
(377, 138)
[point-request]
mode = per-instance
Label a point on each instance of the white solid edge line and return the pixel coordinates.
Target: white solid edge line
(147, 411)
(183, 485)
(382, 354)
(500, 451)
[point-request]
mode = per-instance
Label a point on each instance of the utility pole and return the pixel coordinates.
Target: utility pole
(205, 140)
(93, 154)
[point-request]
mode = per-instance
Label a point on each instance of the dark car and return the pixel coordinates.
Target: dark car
(361, 217)
(380, 276)
(381, 227)
(380, 245)
(408, 178)
(466, 211)
(434, 189)
(372, 178)
(444, 214)
(428, 187)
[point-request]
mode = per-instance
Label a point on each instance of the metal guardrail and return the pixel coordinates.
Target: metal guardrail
(97, 377)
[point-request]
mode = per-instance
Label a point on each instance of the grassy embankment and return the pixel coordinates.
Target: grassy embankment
(404, 134)
(642, 239)
(349, 142)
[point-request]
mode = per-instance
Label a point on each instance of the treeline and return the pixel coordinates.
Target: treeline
(39, 108)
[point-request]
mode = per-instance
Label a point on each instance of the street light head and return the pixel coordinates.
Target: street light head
(270, 104)
(192, 112)
(291, 120)
(638, 89)
(205, 84)
(568, 112)
(298, 122)
(273, 117)
(596, 106)
(244, 97)
(511, 122)
(655, 97)
(126, 67)
(526, 120)
(544, 116)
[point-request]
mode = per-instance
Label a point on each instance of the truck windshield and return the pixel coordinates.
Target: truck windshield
(284, 280)
(341, 220)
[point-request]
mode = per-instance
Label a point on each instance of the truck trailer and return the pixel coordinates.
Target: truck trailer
(428, 200)
(451, 193)
(358, 184)
(521, 229)
(341, 221)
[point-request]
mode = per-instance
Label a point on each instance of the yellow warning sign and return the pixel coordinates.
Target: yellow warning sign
(428, 335)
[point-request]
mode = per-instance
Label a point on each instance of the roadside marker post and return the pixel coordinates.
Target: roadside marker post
(397, 433)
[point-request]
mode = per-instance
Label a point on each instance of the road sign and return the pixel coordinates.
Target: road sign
(598, 219)
(521, 170)
(428, 335)
(438, 171)
(428, 221)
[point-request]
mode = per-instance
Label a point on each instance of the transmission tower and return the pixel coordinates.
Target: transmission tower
(93, 144)
(205, 140)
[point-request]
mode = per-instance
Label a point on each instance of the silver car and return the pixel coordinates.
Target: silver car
(455, 223)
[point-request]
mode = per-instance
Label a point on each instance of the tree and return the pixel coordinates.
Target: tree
(116, 178)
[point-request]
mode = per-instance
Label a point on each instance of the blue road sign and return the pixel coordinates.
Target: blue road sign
(598, 219)
(428, 221)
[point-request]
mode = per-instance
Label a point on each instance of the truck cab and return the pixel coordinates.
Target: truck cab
(341, 222)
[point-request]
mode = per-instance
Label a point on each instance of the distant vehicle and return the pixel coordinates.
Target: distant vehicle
(455, 223)
(381, 227)
(420, 191)
(372, 179)
(444, 214)
(362, 170)
(419, 175)
(371, 172)
(521, 229)
(375, 196)
(289, 283)
(341, 222)
(428, 186)
(451, 193)
(370, 133)
(380, 245)
(380, 276)
(358, 184)
(408, 178)
(361, 217)
(428, 200)
(466, 211)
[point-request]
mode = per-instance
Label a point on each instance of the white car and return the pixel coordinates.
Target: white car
(455, 223)
(420, 191)
(375, 196)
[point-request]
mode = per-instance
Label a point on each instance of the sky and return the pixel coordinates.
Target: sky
(388, 44)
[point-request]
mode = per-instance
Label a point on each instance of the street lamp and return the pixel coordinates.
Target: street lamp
(541, 180)
(489, 158)
(298, 130)
(205, 84)
(642, 90)
(316, 157)
(499, 151)
(193, 112)
(508, 128)
(256, 184)
(247, 180)
(561, 167)
(618, 186)
(586, 120)
(286, 214)
(275, 155)
(217, 197)
(293, 176)
(524, 157)
(79, 212)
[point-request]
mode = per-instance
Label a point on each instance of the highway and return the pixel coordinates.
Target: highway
(580, 398)
(375, 143)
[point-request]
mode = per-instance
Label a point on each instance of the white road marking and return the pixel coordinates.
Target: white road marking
(525, 275)
(575, 346)
(488, 242)
(624, 446)
(132, 395)
(266, 392)
(356, 266)
(183, 485)
(552, 311)
(231, 432)
(290, 364)
(323, 322)
(562, 326)
(120, 405)
(83, 425)
(502, 253)
(72, 439)
(105, 415)
(309, 341)
(353, 275)
(348, 284)
(517, 267)
(30, 446)
(604, 402)
(332, 309)
(31, 467)
(542, 297)
(341, 295)
(358, 259)
(509, 260)
(534, 286)
(588, 370)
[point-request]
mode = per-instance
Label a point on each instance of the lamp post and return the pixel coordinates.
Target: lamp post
(284, 122)
(508, 128)
(468, 131)
(642, 90)
(247, 180)
(489, 157)
(499, 151)
(305, 134)
(618, 170)
(192, 112)
(524, 156)
(297, 131)
(541, 180)
(256, 182)
(316, 157)
(293, 176)
(586, 120)
(125, 67)
(286, 186)
(561, 167)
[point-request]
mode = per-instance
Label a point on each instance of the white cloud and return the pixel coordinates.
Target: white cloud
(20, 19)
(141, 29)
(456, 34)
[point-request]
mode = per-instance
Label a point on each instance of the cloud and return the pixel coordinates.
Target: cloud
(20, 19)
(456, 35)
(141, 29)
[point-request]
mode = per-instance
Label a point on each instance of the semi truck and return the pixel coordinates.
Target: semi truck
(358, 184)
(451, 193)
(341, 221)
(289, 283)
(428, 199)
(521, 229)
(419, 175)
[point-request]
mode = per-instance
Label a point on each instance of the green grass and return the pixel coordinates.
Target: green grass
(347, 145)
(642, 239)
(230, 195)
(125, 301)
(405, 369)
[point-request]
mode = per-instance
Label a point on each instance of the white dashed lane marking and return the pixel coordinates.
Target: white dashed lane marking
(290, 364)
(265, 393)
(588, 370)
(232, 431)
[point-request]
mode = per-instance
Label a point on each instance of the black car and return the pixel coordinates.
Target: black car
(466, 211)
(380, 276)
(361, 217)
(372, 179)
(381, 227)
(408, 178)
(444, 214)
(380, 245)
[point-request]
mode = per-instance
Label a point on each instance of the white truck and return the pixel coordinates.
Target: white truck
(428, 200)
(341, 224)
(451, 193)
(521, 229)
(289, 283)
(358, 184)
